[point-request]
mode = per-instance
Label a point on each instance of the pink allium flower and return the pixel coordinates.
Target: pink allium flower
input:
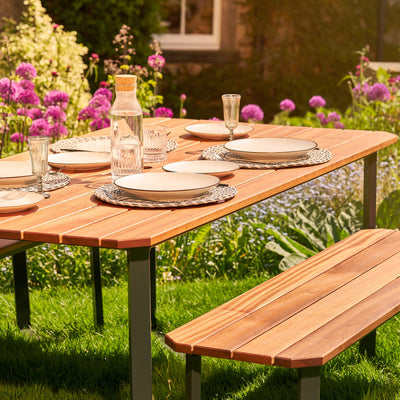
(26, 71)
(322, 118)
(99, 100)
(214, 119)
(57, 129)
(99, 123)
(182, 97)
(252, 112)
(95, 56)
(379, 92)
(56, 98)
(55, 113)
(39, 127)
(317, 101)
(55, 26)
(164, 112)
(87, 113)
(27, 85)
(287, 105)
(334, 117)
(183, 112)
(35, 113)
(8, 89)
(156, 61)
(358, 90)
(28, 97)
(105, 92)
(17, 137)
(338, 125)
(54, 73)
(104, 84)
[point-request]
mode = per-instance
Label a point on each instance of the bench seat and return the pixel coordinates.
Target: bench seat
(305, 316)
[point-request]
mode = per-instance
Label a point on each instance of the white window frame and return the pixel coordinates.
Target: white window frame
(183, 41)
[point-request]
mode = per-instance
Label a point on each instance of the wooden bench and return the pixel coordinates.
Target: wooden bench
(17, 249)
(305, 316)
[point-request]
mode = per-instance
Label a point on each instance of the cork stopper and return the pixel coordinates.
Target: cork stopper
(125, 83)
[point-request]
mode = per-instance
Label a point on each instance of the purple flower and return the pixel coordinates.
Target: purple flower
(87, 113)
(252, 112)
(334, 117)
(164, 112)
(214, 119)
(358, 90)
(26, 71)
(99, 123)
(338, 125)
(27, 97)
(55, 113)
(317, 101)
(322, 118)
(379, 92)
(17, 137)
(8, 89)
(25, 84)
(182, 97)
(183, 112)
(287, 105)
(57, 129)
(35, 113)
(105, 92)
(56, 98)
(103, 111)
(99, 101)
(156, 61)
(39, 127)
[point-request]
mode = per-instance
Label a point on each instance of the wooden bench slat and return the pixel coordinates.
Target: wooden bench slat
(321, 346)
(302, 324)
(10, 247)
(267, 294)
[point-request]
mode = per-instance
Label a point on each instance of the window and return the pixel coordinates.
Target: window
(191, 25)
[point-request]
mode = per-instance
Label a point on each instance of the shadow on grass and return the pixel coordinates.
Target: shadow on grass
(24, 361)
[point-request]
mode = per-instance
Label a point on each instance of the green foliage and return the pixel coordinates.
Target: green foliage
(96, 22)
(388, 214)
(310, 230)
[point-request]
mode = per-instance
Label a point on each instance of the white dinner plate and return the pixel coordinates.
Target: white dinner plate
(80, 160)
(216, 168)
(167, 186)
(16, 173)
(217, 130)
(271, 149)
(15, 200)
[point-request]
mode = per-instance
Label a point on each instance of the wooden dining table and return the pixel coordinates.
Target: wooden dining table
(74, 215)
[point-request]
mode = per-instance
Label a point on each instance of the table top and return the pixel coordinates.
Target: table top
(73, 215)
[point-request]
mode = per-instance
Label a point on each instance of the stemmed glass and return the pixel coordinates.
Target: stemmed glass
(39, 147)
(231, 103)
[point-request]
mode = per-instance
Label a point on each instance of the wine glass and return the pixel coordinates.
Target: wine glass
(39, 147)
(231, 103)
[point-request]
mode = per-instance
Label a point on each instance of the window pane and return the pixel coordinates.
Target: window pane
(171, 15)
(199, 16)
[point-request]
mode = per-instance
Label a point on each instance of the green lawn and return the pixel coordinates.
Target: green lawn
(64, 357)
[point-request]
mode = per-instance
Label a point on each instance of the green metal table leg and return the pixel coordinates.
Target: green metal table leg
(21, 290)
(153, 287)
(96, 287)
(193, 377)
(368, 344)
(139, 298)
(309, 383)
(369, 217)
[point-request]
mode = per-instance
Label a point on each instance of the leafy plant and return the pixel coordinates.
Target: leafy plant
(309, 230)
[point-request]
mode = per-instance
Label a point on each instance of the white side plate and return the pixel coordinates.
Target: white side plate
(167, 186)
(271, 149)
(217, 130)
(216, 168)
(14, 200)
(16, 173)
(80, 160)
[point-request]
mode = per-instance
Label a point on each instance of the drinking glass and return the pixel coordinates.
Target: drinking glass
(126, 159)
(231, 103)
(155, 143)
(39, 149)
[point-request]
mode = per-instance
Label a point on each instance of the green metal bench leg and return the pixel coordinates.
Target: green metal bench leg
(21, 290)
(96, 287)
(309, 383)
(153, 287)
(368, 344)
(193, 377)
